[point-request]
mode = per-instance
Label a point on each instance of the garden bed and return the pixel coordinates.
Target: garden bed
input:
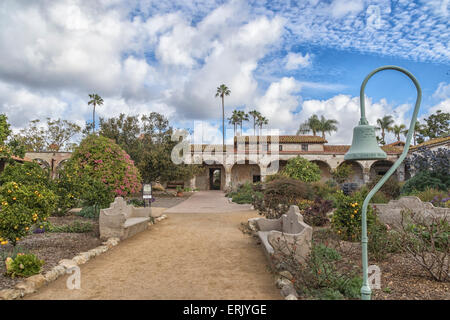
(53, 247)
(401, 279)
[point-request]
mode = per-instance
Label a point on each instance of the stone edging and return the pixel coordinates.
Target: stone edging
(33, 283)
(283, 280)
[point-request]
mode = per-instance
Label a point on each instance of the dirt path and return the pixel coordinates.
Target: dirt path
(187, 256)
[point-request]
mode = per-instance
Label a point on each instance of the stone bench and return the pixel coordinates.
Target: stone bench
(283, 233)
(123, 221)
(391, 212)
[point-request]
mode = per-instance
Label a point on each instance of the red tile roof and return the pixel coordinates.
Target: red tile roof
(285, 139)
(431, 142)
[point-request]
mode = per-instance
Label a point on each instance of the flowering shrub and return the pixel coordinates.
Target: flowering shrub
(346, 220)
(21, 207)
(23, 265)
(98, 160)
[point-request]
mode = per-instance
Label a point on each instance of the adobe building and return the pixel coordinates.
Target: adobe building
(240, 164)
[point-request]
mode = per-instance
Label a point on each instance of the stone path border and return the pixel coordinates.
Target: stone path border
(33, 283)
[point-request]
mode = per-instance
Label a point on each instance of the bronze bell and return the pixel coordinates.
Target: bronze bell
(364, 145)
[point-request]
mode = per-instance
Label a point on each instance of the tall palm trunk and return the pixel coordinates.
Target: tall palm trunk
(223, 123)
(93, 119)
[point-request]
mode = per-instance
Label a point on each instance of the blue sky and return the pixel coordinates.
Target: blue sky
(287, 59)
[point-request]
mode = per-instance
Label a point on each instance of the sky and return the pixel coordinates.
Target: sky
(286, 59)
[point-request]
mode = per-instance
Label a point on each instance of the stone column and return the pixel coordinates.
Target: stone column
(366, 175)
(401, 172)
(228, 177)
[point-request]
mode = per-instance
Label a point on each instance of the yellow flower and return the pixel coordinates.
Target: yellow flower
(356, 211)
(352, 216)
(17, 239)
(9, 191)
(14, 198)
(26, 228)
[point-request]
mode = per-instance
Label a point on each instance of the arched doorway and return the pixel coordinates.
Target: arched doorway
(216, 177)
(325, 170)
(379, 168)
(356, 176)
(241, 173)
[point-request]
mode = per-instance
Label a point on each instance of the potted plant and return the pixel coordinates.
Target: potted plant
(179, 191)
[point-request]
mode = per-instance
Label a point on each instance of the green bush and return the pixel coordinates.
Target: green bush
(21, 207)
(341, 173)
(424, 180)
(381, 241)
(379, 197)
(429, 194)
(279, 195)
(318, 275)
(24, 265)
(244, 194)
(301, 169)
(346, 220)
(390, 189)
(136, 202)
(91, 212)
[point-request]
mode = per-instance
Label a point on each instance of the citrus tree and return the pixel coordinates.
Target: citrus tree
(22, 206)
(301, 169)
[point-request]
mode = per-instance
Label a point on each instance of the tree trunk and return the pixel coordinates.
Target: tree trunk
(223, 123)
(93, 120)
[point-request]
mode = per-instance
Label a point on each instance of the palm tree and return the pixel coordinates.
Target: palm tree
(312, 124)
(327, 126)
(96, 100)
(223, 91)
(256, 115)
(385, 124)
(242, 117)
(398, 129)
(417, 128)
(234, 120)
(260, 122)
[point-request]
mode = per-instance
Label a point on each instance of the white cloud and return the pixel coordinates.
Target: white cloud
(444, 106)
(341, 8)
(443, 91)
(279, 103)
(346, 110)
(296, 60)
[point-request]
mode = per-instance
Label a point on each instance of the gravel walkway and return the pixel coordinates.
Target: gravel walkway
(190, 255)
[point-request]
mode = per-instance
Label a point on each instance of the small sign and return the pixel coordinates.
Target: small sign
(147, 194)
(147, 189)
